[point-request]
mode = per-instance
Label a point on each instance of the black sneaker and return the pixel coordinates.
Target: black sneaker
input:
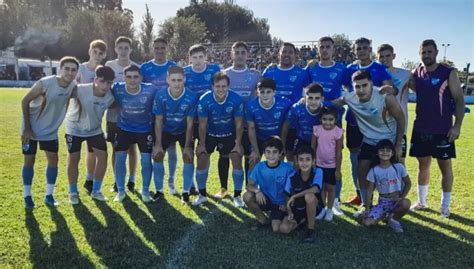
(88, 186)
(157, 196)
(114, 188)
(131, 186)
(309, 236)
(185, 198)
(193, 191)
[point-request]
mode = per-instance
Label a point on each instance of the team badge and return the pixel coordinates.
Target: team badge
(435, 81)
(374, 110)
(228, 109)
(207, 77)
(184, 107)
(277, 115)
(143, 100)
(332, 75)
(292, 78)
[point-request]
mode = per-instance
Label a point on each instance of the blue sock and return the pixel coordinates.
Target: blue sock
(120, 170)
(172, 162)
(338, 188)
(188, 173)
(147, 170)
(73, 188)
(97, 185)
(27, 174)
(201, 178)
(159, 173)
(238, 177)
(131, 178)
(51, 175)
(363, 193)
(354, 165)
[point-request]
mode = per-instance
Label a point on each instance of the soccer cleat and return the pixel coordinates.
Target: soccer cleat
(360, 212)
(193, 191)
(201, 199)
(321, 214)
(445, 212)
(172, 189)
(395, 225)
(185, 198)
(418, 206)
(29, 204)
(88, 186)
(49, 200)
(99, 196)
(336, 209)
(114, 188)
(328, 216)
(238, 202)
(355, 200)
(74, 198)
(131, 186)
(309, 236)
(119, 197)
(158, 196)
(146, 198)
(221, 193)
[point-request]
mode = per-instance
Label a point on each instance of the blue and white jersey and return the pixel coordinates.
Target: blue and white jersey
(290, 82)
(175, 110)
(200, 82)
(268, 121)
(330, 77)
(156, 73)
(220, 116)
(379, 75)
(301, 119)
(134, 108)
(272, 180)
(244, 82)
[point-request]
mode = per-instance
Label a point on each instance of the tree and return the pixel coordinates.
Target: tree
(181, 33)
(343, 47)
(146, 33)
(409, 64)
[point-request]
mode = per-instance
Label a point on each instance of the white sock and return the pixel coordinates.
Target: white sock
(422, 194)
(26, 190)
(446, 199)
(49, 189)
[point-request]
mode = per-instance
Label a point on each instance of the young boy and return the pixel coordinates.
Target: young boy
(84, 123)
(303, 190)
(174, 112)
(266, 186)
(135, 100)
(44, 108)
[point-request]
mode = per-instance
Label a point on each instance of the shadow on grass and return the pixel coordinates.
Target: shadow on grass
(62, 252)
(116, 244)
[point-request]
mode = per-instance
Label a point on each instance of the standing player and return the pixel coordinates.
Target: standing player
(135, 100)
(44, 108)
(400, 78)
(123, 48)
(438, 97)
(220, 126)
(86, 74)
(174, 111)
(379, 76)
(84, 123)
(154, 72)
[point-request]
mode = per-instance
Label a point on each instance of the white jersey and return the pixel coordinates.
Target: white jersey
(84, 116)
(400, 79)
(48, 110)
(112, 113)
(85, 75)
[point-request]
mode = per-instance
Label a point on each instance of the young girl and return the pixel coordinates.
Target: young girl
(327, 140)
(393, 183)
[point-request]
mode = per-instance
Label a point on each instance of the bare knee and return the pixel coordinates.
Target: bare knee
(285, 228)
(405, 204)
(249, 197)
(310, 198)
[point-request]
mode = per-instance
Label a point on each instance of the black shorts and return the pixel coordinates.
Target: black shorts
(168, 139)
(260, 146)
(435, 145)
(367, 152)
(196, 130)
(354, 136)
(275, 212)
(300, 142)
(299, 208)
(31, 147)
(96, 141)
(290, 140)
(124, 139)
(246, 142)
(404, 146)
(111, 131)
(223, 144)
(329, 175)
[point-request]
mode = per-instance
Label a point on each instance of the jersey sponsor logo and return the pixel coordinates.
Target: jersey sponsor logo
(435, 81)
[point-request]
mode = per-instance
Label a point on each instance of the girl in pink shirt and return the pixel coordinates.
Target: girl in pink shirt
(327, 140)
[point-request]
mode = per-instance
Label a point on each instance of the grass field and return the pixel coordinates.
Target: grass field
(169, 234)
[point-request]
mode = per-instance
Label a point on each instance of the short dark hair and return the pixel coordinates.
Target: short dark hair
(273, 142)
(326, 38)
(99, 44)
(429, 42)
(289, 45)
(68, 59)
(361, 74)
(314, 88)
(362, 40)
(131, 68)
(305, 149)
(329, 110)
(220, 76)
(385, 47)
(123, 39)
(105, 72)
(240, 44)
(175, 70)
(196, 48)
(160, 40)
(266, 83)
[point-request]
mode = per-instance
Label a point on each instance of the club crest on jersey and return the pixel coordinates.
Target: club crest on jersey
(277, 115)
(143, 100)
(292, 78)
(228, 109)
(374, 110)
(207, 77)
(435, 81)
(184, 107)
(332, 75)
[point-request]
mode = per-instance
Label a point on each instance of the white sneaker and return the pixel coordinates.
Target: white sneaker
(238, 202)
(359, 212)
(418, 206)
(445, 212)
(321, 214)
(146, 198)
(172, 189)
(74, 198)
(201, 199)
(328, 216)
(336, 209)
(119, 197)
(99, 196)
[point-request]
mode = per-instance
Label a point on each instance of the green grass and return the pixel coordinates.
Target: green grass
(168, 234)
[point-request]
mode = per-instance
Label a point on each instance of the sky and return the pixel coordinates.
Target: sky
(403, 24)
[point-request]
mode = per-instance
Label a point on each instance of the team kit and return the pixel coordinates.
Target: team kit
(281, 130)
